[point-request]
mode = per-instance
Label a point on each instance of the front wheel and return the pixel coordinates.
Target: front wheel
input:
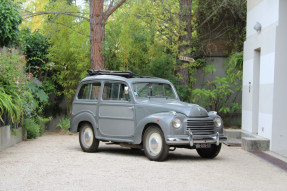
(211, 152)
(154, 144)
(87, 139)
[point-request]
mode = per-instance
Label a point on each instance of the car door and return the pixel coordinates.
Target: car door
(116, 111)
(86, 101)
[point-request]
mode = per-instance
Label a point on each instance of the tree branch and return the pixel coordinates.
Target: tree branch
(54, 13)
(168, 28)
(69, 28)
(110, 5)
(211, 15)
(111, 10)
(168, 13)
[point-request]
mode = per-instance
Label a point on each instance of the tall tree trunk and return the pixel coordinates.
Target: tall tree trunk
(97, 34)
(185, 17)
(97, 20)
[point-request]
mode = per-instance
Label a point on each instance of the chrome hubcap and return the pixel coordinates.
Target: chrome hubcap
(154, 143)
(87, 137)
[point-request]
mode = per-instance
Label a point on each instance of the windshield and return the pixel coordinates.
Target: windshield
(146, 89)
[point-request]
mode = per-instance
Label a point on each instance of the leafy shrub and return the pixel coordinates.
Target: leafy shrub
(10, 19)
(64, 124)
(35, 47)
(36, 88)
(21, 96)
(7, 105)
(35, 127)
(42, 121)
(220, 94)
(12, 84)
(32, 128)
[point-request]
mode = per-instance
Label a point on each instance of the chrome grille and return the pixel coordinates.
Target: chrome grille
(200, 127)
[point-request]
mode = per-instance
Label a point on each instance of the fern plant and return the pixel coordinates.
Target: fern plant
(13, 107)
(64, 124)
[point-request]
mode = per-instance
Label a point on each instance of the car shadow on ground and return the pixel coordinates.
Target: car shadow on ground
(127, 152)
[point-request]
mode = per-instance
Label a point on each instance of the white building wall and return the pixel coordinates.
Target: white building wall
(264, 96)
(258, 78)
(263, 11)
(279, 131)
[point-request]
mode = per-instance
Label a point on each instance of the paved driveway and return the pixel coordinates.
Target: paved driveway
(56, 162)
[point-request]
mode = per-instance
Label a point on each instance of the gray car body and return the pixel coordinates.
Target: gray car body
(125, 121)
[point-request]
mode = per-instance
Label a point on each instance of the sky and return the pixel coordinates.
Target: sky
(80, 3)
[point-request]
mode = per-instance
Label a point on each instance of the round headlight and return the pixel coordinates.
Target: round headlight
(176, 123)
(217, 122)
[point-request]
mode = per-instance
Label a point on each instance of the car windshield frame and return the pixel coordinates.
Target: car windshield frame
(143, 90)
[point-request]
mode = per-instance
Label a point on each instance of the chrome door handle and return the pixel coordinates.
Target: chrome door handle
(131, 108)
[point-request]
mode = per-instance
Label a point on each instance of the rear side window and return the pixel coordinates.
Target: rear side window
(90, 91)
(96, 89)
(84, 92)
(115, 91)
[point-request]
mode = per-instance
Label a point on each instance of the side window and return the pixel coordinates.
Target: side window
(168, 91)
(115, 91)
(84, 92)
(96, 89)
(157, 90)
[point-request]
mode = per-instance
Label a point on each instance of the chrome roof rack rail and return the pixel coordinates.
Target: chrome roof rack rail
(126, 74)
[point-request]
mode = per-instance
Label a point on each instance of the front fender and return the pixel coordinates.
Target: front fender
(163, 120)
(82, 117)
(213, 115)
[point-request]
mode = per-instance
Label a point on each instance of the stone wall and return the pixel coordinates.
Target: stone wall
(7, 139)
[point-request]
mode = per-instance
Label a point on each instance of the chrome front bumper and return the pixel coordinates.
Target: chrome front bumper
(196, 139)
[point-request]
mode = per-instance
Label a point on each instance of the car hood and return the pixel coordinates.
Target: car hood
(154, 105)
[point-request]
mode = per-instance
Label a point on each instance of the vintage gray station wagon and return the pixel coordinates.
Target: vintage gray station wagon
(143, 113)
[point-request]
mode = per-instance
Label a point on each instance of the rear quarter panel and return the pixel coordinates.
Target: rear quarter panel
(83, 111)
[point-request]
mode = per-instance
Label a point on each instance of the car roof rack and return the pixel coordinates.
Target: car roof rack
(126, 74)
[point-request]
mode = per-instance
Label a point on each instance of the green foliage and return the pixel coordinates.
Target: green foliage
(12, 85)
(34, 102)
(224, 19)
(34, 99)
(36, 88)
(234, 67)
(69, 50)
(10, 19)
(135, 41)
(32, 128)
(7, 105)
(14, 132)
(64, 124)
(35, 46)
(155, 67)
(29, 104)
(220, 94)
(21, 96)
(184, 92)
(35, 127)
(142, 36)
(42, 123)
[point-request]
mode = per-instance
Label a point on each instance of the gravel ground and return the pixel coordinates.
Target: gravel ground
(56, 162)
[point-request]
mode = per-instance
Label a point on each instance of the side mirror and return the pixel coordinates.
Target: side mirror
(126, 90)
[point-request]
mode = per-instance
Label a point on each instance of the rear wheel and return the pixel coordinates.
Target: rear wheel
(211, 152)
(154, 144)
(87, 139)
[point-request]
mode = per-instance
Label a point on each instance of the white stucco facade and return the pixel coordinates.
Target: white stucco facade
(264, 96)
